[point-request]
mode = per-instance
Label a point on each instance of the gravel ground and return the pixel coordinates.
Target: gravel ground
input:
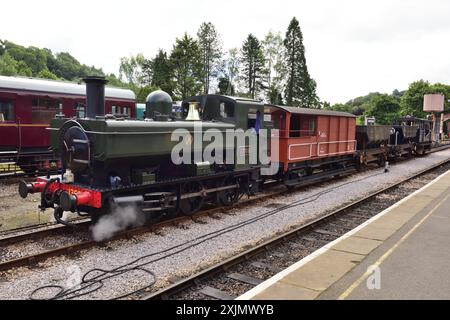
(31, 246)
(16, 212)
(19, 283)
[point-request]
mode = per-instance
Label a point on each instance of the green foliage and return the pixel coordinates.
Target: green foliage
(229, 69)
(360, 120)
(161, 72)
(23, 69)
(32, 57)
(16, 60)
(253, 65)
(142, 92)
(445, 90)
(115, 82)
(385, 108)
(275, 65)
(134, 69)
(211, 53)
(342, 107)
(275, 96)
(225, 87)
(8, 66)
(46, 74)
(300, 88)
(186, 63)
(2, 47)
(412, 99)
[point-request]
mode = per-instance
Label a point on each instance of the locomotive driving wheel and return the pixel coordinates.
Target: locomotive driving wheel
(229, 197)
(192, 204)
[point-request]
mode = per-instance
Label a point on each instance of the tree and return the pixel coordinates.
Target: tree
(275, 61)
(133, 69)
(162, 72)
(67, 67)
(300, 87)
(385, 108)
(229, 69)
(33, 61)
(445, 90)
(411, 102)
(115, 82)
(225, 86)
(31, 58)
(211, 52)
(7, 65)
(2, 47)
(186, 65)
(397, 94)
(275, 95)
(252, 65)
(46, 74)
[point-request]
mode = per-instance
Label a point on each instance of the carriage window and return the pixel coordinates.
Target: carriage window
(120, 111)
(43, 109)
(6, 111)
(80, 110)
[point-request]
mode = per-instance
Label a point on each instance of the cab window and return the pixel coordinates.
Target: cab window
(6, 111)
(226, 110)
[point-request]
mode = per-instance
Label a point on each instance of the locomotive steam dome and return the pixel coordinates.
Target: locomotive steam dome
(158, 105)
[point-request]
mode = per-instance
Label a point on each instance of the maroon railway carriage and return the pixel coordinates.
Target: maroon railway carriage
(313, 141)
(26, 107)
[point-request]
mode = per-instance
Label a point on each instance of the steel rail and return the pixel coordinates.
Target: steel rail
(69, 249)
(188, 282)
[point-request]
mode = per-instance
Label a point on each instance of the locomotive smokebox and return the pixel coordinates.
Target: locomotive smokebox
(95, 96)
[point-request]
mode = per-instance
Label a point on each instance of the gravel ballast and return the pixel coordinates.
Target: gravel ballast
(63, 271)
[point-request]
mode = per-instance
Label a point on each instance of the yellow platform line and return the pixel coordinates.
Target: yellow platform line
(347, 292)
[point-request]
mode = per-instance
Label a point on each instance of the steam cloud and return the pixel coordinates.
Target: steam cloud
(119, 219)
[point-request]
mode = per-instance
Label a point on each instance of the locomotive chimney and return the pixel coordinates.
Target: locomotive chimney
(95, 96)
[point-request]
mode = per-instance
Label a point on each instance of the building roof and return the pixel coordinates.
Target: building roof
(59, 87)
(312, 111)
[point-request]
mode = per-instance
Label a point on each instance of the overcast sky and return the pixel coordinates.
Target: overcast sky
(352, 46)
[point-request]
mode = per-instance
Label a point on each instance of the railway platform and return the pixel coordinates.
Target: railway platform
(401, 253)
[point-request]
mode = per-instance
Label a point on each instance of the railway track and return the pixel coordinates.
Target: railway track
(238, 274)
(54, 230)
